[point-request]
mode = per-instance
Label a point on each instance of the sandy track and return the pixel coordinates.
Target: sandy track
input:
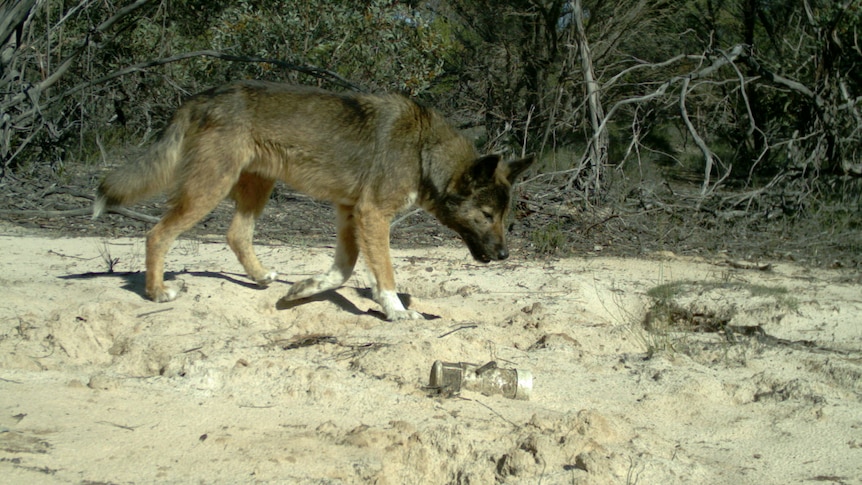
(99, 385)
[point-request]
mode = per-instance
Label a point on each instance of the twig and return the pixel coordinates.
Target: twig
(461, 327)
(46, 83)
(161, 310)
(726, 58)
(606, 219)
(51, 251)
(121, 426)
(527, 130)
(489, 408)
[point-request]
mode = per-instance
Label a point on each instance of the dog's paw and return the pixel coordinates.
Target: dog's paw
(266, 279)
(303, 289)
(168, 292)
(404, 315)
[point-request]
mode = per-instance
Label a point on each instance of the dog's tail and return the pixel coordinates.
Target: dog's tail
(148, 174)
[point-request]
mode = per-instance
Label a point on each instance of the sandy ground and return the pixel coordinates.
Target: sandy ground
(98, 385)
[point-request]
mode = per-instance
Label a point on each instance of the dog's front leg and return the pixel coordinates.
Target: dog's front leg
(346, 253)
(373, 234)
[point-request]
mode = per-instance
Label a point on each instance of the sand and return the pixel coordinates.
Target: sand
(99, 385)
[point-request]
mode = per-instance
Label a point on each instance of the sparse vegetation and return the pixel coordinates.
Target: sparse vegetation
(110, 261)
(682, 308)
(549, 240)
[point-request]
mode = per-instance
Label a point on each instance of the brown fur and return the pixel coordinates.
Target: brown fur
(370, 155)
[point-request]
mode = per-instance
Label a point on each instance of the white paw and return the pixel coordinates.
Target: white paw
(170, 293)
(404, 315)
(393, 308)
(267, 279)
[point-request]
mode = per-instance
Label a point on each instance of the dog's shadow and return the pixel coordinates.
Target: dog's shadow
(135, 282)
(345, 304)
(332, 296)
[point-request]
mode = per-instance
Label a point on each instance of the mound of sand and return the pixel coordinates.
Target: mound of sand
(669, 370)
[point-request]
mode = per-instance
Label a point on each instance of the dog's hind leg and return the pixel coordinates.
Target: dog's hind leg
(251, 194)
(192, 202)
(346, 253)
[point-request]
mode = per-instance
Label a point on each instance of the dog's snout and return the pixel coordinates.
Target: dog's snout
(502, 254)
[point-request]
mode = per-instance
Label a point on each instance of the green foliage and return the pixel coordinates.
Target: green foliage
(382, 44)
(378, 44)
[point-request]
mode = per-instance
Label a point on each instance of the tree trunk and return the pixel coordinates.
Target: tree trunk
(599, 141)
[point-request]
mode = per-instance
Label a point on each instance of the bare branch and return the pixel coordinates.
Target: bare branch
(726, 58)
(647, 65)
(599, 145)
(751, 124)
(107, 24)
(788, 83)
(707, 153)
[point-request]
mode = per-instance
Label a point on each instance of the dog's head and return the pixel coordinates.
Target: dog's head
(477, 202)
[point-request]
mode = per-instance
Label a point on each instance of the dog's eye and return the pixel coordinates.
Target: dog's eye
(489, 216)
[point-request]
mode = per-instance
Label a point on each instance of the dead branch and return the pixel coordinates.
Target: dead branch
(783, 81)
(80, 212)
(718, 62)
(599, 147)
(707, 153)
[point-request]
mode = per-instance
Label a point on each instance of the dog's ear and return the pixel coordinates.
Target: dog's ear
(515, 168)
(483, 169)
